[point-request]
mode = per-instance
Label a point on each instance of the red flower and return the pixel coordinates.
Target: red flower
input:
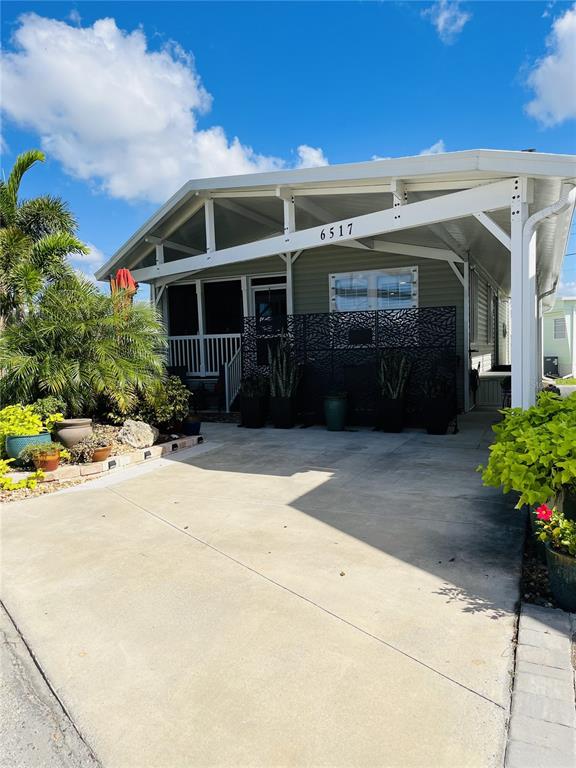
(544, 513)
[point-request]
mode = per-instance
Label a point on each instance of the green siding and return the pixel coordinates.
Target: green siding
(437, 284)
(267, 266)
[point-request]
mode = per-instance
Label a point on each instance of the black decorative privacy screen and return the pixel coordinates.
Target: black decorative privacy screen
(339, 351)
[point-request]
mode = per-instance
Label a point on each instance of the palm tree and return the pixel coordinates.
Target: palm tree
(83, 347)
(36, 238)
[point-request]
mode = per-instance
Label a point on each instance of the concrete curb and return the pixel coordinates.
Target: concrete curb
(542, 729)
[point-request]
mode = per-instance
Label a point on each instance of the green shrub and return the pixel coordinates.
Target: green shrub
(534, 452)
(163, 405)
(81, 346)
(46, 406)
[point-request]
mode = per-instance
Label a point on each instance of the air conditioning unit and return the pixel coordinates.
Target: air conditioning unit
(551, 367)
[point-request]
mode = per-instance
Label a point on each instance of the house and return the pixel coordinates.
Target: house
(560, 338)
(452, 256)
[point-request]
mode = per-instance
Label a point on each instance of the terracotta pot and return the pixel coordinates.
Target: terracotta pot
(71, 431)
(101, 454)
(48, 462)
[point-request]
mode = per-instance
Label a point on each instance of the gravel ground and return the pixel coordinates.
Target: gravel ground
(35, 732)
(535, 586)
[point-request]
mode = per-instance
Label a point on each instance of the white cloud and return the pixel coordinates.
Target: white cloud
(566, 288)
(310, 157)
(435, 149)
(113, 111)
(87, 263)
(448, 18)
(553, 77)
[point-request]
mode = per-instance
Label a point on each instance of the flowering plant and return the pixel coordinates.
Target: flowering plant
(555, 530)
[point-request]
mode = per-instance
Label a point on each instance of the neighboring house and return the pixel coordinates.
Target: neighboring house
(356, 258)
(560, 338)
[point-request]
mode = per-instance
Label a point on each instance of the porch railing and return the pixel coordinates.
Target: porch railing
(233, 378)
(203, 355)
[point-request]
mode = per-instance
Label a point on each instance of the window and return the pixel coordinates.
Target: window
(376, 289)
(559, 328)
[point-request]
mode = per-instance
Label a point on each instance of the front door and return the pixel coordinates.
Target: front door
(270, 307)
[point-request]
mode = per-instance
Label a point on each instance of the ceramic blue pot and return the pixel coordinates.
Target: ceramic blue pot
(15, 444)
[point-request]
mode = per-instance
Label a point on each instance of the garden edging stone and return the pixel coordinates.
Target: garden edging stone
(542, 729)
(67, 472)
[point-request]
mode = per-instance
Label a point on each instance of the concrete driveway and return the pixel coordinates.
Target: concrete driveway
(298, 598)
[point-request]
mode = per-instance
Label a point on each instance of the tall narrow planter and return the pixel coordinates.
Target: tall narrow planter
(562, 574)
(437, 413)
(335, 407)
(569, 504)
(282, 412)
(253, 412)
(390, 414)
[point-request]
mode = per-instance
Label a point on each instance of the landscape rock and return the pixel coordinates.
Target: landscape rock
(138, 434)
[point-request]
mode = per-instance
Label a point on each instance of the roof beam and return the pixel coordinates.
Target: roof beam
(425, 212)
(417, 251)
(321, 214)
(158, 241)
(248, 213)
(494, 228)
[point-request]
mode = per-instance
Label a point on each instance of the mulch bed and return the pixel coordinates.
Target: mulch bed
(535, 587)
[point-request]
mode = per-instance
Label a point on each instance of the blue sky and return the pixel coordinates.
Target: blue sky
(129, 99)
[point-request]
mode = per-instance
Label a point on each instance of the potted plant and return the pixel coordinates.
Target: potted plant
(284, 380)
(44, 456)
(91, 448)
(192, 424)
(559, 535)
(253, 400)
(393, 372)
(71, 431)
(438, 404)
(335, 409)
(21, 425)
(534, 452)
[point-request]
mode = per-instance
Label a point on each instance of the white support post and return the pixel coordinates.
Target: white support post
(159, 253)
(521, 332)
(289, 215)
(245, 304)
(399, 195)
(289, 285)
(200, 308)
(466, 341)
(210, 229)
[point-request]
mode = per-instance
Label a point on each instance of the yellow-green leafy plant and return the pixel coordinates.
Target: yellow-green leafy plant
(23, 420)
(8, 484)
(534, 452)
